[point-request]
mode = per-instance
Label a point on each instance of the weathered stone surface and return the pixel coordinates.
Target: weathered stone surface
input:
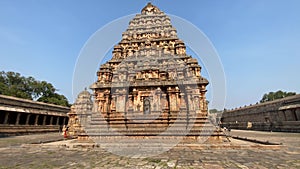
(150, 86)
(22, 116)
(248, 155)
(277, 115)
(81, 110)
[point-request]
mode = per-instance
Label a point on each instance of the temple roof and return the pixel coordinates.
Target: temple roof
(83, 95)
(83, 103)
(149, 43)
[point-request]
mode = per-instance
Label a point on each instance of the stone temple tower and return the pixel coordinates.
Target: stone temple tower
(79, 114)
(150, 83)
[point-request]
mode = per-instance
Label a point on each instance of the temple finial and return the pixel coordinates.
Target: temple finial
(150, 1)
(150, 8)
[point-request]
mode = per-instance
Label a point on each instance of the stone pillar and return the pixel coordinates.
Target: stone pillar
(18, 119)
(57, 121)
(27, 119)
(44, 120)
(297, 111)
(6, 118)
(64, 122)
(164, 101)
(177, 101)
(203, 101)
(159, 105)
(281, 116)
(51, 120)
(135, 99)
(105, 104)
(289, 115)
(182, 101)
(130, 103)
(172, 99)
(36, 119)
(190, 102)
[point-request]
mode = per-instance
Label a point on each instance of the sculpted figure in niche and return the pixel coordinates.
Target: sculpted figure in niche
(138, 107)
(102, 79)
(113, 104)
(147, 105)
(122, 77)
(154, 74)
(130, 53)
(167, 34)
(172, 44)
(117, 55)
(166, 51)
(177, 51)
(197, 103)
(173, 33)
(169, 75)
(139, 36)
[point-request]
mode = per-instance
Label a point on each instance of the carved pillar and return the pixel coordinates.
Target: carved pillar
(297, 111)
(172, 99)
(113, 102)
(51, 120)
(36, 119)
(102, 106)
(182, 101)
(18, 119)
(203, 100)
(135, 99)
(177, 99)
(6, 118)
(27, 119)
(106, 104)
(44, 120)
(165, 101)
(64, 121)
(159, 105)
(190, 102)
(57, 120)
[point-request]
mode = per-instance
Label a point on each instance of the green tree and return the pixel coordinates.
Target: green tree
(213, 111)
(276, 95)
(55, 99)
(13, 84)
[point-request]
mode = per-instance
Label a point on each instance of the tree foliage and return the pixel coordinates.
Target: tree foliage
(13, 84)
(214, 111)
(275, 95)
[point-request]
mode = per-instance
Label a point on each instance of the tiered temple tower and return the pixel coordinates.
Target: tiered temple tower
(150, 84)
(81, 110)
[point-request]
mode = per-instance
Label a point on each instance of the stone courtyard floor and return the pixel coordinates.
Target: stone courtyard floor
(32, 151)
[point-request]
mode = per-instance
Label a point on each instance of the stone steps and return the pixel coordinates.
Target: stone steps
(140, 128)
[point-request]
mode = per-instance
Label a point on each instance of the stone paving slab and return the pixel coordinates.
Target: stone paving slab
(30, 139)
(51, 155)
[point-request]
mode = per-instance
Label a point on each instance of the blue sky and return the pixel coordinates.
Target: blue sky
(257, 40)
